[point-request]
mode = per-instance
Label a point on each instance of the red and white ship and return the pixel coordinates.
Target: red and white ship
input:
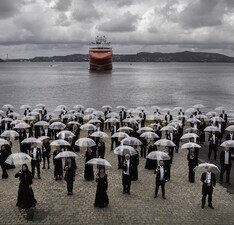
(100, 54)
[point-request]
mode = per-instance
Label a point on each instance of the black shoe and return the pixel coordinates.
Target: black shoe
(39, 177)
(124, 192)
(68, 193)
(48, 167)
(202, 206)
(163, 197)
(43, 167)
(228, 183)
(155, 196)
(211, 206)
(56, 178)
(128, 192)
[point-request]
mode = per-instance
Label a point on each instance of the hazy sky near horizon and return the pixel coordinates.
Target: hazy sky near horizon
(59, 27)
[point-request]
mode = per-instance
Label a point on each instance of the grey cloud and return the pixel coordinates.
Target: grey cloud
(63, 5)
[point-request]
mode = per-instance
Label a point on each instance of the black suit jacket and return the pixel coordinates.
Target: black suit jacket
(157, 172)
(38, 156)
(204, 185)
(228, 137)
(222, 158)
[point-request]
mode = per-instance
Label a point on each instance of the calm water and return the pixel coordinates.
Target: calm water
(139, 84)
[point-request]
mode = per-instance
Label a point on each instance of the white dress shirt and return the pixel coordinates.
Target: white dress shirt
(161, 173)
(128, 164)
(208, 178)
(34, 153)
(226, 158)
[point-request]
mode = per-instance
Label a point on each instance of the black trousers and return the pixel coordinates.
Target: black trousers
(114, 141)
(227, 169)
(191, 175)
(212, 148)
(46, 158)
(69, 186)
(35, 164)
(162, 184)
(120, 161)
(126, 183)
(143, 151)
(4, 171)
(209, 192)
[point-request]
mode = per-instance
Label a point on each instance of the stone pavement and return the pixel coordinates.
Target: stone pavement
(182, 205)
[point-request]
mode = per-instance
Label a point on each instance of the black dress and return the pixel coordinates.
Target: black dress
(3, 157)
(101, 199)
(70, 177)
(25, 198)
(88, 173)
(58, 165)
(151, 164)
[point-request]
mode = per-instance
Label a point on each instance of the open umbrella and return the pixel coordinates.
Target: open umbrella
(229, 144)
(25, 107)
(8, 106)
(230, 128)
(125, 149)
(112, 120)
(168, 128)
(120, 135)
(41, 123)
(190, 145)
(106, 107)
(93, 121)
(22, 126)
(6, 119)
(131, 141)
(220, 108)
(99, 162)
(99, 134)
(89, 110)
(218, 119)
(200, 106)
(121, 107)
(189, 135)
(59, 142)
(125, 129)
(145, 129)
(85, 142)
(65, 134)
(112, 115)
(57, 126)
(211, 128)
(40, 105)
(204, 166)
(27, 118)
(201, 116)
(61, 107)
(18, 159)
(149, 135)
(165, 142)
(65, 154)
(14, 114)
(190, 110)
(129, 120)
(74, 123)
(10, 133)
(212, 113)
(155, 107)
(88, 126)
(192, 130)
(158, 155)
(78, 107)
(42, 138)
(3, 142)
(31, 140)
(193, 120)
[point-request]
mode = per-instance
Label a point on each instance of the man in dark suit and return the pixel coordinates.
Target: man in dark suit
(226, 165)
(209, 181)
(224, 116)
(221, 127)
(213, 146)
(35, 153)
(181, 116)
(43, 111)
(114, 129)
(171, 136)
(47, 132)
(107, 111)
(168, 117)
(27, 111)
(122, 115)
(144, 117)
(1, 123)
(160, 179)
(46, 149)
(127, 174)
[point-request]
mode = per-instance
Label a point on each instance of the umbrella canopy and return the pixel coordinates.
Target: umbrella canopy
(25, 107)
(65, 154)
(18, 159)
(191, 130)
(65, 134)
(99, 162)
(68, 116)
(42, 138)
(211, 128)
(212, 113)
(41, 123)
(61, 107)
(129, 120)
(28, 118)
(59, 142)
(201, 116)
(229, 144)
(85, 142)
(125, 149)
(10, 133)
(149, 135)
(89, 110)
(158, 155)
(57, 126)
(200, 106)
(112, 115)
(131, 141)
(190, 145)
(112, 120)
(121, 107)
(155, 107)
(106, 107)
(189, 135)
(125, 129)
(31, 140)
(94, 121)
(190, 110)
(165, 142)
(220, 108)
(3, 142)
(16, 122)
(145, 129)
(88, 126)
(120, 135)
(204, 166)
(78, 107)
(98, 113)
(178, 108)
(230, 128)
(14, 114)
(40, 105)
(193, 120)
(6, 119)
(168, 128)
(99, 134)
(74, 123)
(217, 119)
(22, 126)
(33, 113)
(8, 106)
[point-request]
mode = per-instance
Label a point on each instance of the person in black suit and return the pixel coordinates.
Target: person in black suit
(35, 153)
(26, 147)
(160, 179)
(192, 163)
(181, 117)
(156, 115)
(122, 115)
(209, 181)
(114, 129)
(70, 174)
(101, 148)
(168, 117)
(46, 149)
(27, 111)
(135, 163)
(9, 111)
(107, 111)
(221, 131)
(43, 112)
(47, 132)
(224, 116)
(1, 123)
(171, 137)
(230, 136)
(144, 117)
(58, 164)
(226, 165)
(3, 157)
(213, 146)
(127, 174)
(167, 164)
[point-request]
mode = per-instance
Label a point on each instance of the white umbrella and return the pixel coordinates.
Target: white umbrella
(99, 162)
(154, 107)
(59, 142)
(193, 120)
(65, 154)
(121, 107)
(78, 107)
(112, 120)
(28, 118)
(98, 113)
(203, 166)
(131, 141)
(42, 138)
(212, 113)
(229, 144)
(10, 133)
(200, 106)
(99, 134)
(8, 106)
(14, 114)
(191, 130)
(68, 116)
(129, 120)
(40, 105)
(25, 107)
(88, 127)
(201, 116)
(211, 128)
(57, 126)
(61, 107)
(74, 123)
(145, 129)
(182, 116)
(85, 142)
(112, 115)
(178, 108)
(168, 128)
(230, 128)
(94, 121)
(31, 140)
(158, 155)
(106, 106)
(190, 110)
(18, 159)
(3, 142)
(165, 142)
(33, 113)
(16, 122)
(120, 135)
(41, 123)
(190, 145)
(22, 126)
(218, 119)
(220, 108)
(189, 135)
(149, 135)
(89, 110)
(6, 119)
(125, 149)
(65, 134)
(125, 129)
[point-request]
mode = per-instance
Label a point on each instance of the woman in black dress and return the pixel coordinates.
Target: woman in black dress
(192, 163)
(151, 164)
(3, 157)
(25, 198)
(101, 199)
(58, 165)
(202, 128)
(88, 173)
(70, 175)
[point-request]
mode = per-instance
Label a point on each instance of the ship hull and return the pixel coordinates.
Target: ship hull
(100, 60)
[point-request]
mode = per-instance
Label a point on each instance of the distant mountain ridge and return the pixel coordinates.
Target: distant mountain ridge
(185, 56)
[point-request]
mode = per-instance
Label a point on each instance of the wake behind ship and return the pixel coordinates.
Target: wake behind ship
(100, 54)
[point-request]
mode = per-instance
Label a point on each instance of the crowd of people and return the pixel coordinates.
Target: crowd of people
(37, 131)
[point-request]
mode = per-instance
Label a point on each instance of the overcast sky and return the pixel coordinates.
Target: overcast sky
(58, 27)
